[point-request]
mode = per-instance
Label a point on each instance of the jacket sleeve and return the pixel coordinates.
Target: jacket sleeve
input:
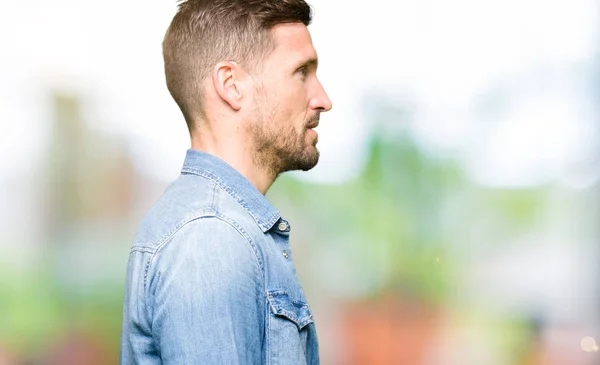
(206, 291)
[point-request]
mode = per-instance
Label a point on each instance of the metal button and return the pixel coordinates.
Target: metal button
(286, 254)
(282, 226)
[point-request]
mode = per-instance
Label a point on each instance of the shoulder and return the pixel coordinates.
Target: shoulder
(209, 243)
(206, 254)
(208, 233)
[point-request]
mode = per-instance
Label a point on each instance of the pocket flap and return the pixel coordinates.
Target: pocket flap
(294, 310)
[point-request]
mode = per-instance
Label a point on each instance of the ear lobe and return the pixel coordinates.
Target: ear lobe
(226, 84)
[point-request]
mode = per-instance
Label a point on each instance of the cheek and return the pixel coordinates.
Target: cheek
(287, 102)
(298, 101)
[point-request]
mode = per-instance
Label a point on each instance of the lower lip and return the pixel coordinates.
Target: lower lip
(312, 131)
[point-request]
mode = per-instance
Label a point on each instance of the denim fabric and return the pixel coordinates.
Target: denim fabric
(210, 278)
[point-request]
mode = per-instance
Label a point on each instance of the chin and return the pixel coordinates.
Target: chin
(311, 161)
(305, 160)
(309, 167)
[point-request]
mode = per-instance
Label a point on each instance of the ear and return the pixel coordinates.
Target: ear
(226, 81)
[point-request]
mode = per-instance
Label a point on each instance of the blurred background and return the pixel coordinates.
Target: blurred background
(453, 218)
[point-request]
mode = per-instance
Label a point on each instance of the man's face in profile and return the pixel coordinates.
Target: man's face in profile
(288, 101)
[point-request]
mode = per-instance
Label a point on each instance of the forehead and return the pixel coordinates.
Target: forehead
(293, 43)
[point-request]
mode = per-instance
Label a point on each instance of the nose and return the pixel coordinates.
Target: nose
(321, 101)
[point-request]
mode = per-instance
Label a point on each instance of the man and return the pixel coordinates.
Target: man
(210, 278)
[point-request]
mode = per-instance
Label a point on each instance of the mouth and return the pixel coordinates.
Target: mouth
(313, 124)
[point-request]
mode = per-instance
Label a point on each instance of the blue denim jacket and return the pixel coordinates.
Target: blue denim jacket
(210, 278)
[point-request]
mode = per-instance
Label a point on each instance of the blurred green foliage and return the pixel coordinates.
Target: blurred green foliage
(390, 216)
(39, 310)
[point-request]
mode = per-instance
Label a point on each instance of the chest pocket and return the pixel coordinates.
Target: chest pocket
(292, 338)
(296, 311)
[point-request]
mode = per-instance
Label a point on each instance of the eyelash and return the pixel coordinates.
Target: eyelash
(303, 70)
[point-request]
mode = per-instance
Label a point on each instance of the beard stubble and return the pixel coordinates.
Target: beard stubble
(278, 149)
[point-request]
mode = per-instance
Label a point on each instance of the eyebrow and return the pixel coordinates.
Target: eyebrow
(311, 62)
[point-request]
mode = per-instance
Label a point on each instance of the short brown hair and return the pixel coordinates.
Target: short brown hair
(205, 32)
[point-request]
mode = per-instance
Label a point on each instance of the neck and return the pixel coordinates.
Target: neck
(236, 154)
